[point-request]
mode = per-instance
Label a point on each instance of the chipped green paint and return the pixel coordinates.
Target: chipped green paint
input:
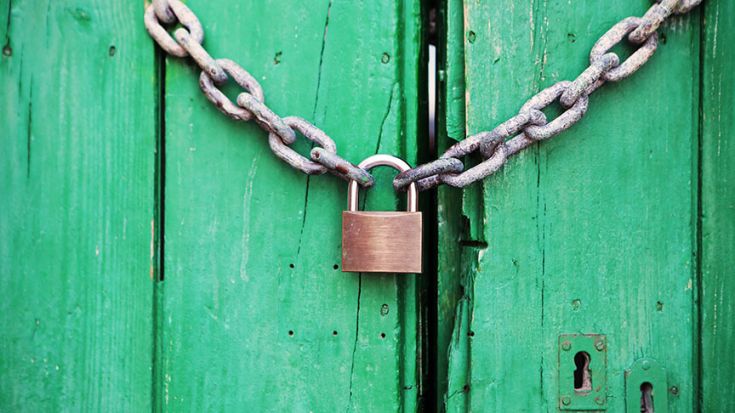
(717, 243)
(76, 183)
(596, 231)
(254, 312)
(254, 309)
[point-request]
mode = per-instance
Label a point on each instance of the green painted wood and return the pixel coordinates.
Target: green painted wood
(718, 208)
(78, 114)
(254, 311)
(592, 232)
(451, 127)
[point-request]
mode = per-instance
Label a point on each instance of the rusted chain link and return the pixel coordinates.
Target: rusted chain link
(223, 103)
(530, 125)
(187, 41)
(520, 131)
(182, 15)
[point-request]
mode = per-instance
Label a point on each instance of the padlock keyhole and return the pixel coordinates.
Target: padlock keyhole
(646, 398)
(582, 375)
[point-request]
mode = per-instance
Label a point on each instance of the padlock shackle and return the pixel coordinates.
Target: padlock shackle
(353, 191)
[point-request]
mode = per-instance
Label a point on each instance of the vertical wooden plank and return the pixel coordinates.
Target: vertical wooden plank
(450, 128)
(577, 239)
(255, 310)
(718, 208)
(76, 177)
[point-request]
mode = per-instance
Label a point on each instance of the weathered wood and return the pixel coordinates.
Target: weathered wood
(76, 180)
(255, 311)
(718, 209)
(591, 232)
(451, 128)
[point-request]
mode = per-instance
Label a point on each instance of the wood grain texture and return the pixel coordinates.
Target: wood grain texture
(450, 221)
(718, 208)
(78, 115)
(591, 232)
(255, 312)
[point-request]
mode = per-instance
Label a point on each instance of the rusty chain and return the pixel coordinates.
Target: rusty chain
(528, 126)
(250, 103)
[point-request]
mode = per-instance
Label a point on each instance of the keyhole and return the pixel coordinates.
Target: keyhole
(582, 376)
(646, 398)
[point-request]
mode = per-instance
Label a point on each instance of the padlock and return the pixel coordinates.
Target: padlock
(381, 241)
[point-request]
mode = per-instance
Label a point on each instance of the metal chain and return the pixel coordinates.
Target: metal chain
(530, 125)
(250, 105)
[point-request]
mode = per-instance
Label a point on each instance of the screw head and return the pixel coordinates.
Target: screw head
(599, 400)
(599, 345)
(566, 346)
(646, 365)
(566, 401)
(674, 390)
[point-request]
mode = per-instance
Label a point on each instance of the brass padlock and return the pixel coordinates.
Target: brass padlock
(381, 241)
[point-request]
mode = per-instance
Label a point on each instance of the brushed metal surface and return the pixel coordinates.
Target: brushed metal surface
(381, 241)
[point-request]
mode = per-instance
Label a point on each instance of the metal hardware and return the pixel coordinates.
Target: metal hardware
(646, 387)
(381, 241)
(496, 146)
(604, 66)
(582, 372)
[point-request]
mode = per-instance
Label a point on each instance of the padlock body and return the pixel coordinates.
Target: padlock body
(381, 241)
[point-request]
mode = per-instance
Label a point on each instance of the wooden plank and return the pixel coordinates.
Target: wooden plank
(255, 311)
(577, 239)
(76, 176)
(718, 209)
(451, 128)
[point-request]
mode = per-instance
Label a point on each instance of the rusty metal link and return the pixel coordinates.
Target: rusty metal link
(200, 56)
(164, 12)
(512, 127)
(450, 170)
(342, 168)
(496, 146)
(223, 103)
(614, 36)
(685, 6)
(564, 121)
(183, 15)
(474, 174)
(518, 144)
(588, 79)
(292, 157)
(437, 167)
(651, 21)
(250, 104)
(479, 171)
(266, 118)
(485, 140)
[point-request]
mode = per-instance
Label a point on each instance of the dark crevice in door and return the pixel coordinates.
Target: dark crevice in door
(697, 167)
(158, 231)
(427, 152)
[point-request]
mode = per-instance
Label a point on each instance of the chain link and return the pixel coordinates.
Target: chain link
(250, 105)
(292, 157)
(614, 36)
(530, 125)
(510, 137)
(342, 168)
(182, 15)
(223, 103)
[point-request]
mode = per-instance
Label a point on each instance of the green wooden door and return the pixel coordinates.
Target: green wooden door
(77, 206)
(253, 309)
(155, 255)
(622, 227)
